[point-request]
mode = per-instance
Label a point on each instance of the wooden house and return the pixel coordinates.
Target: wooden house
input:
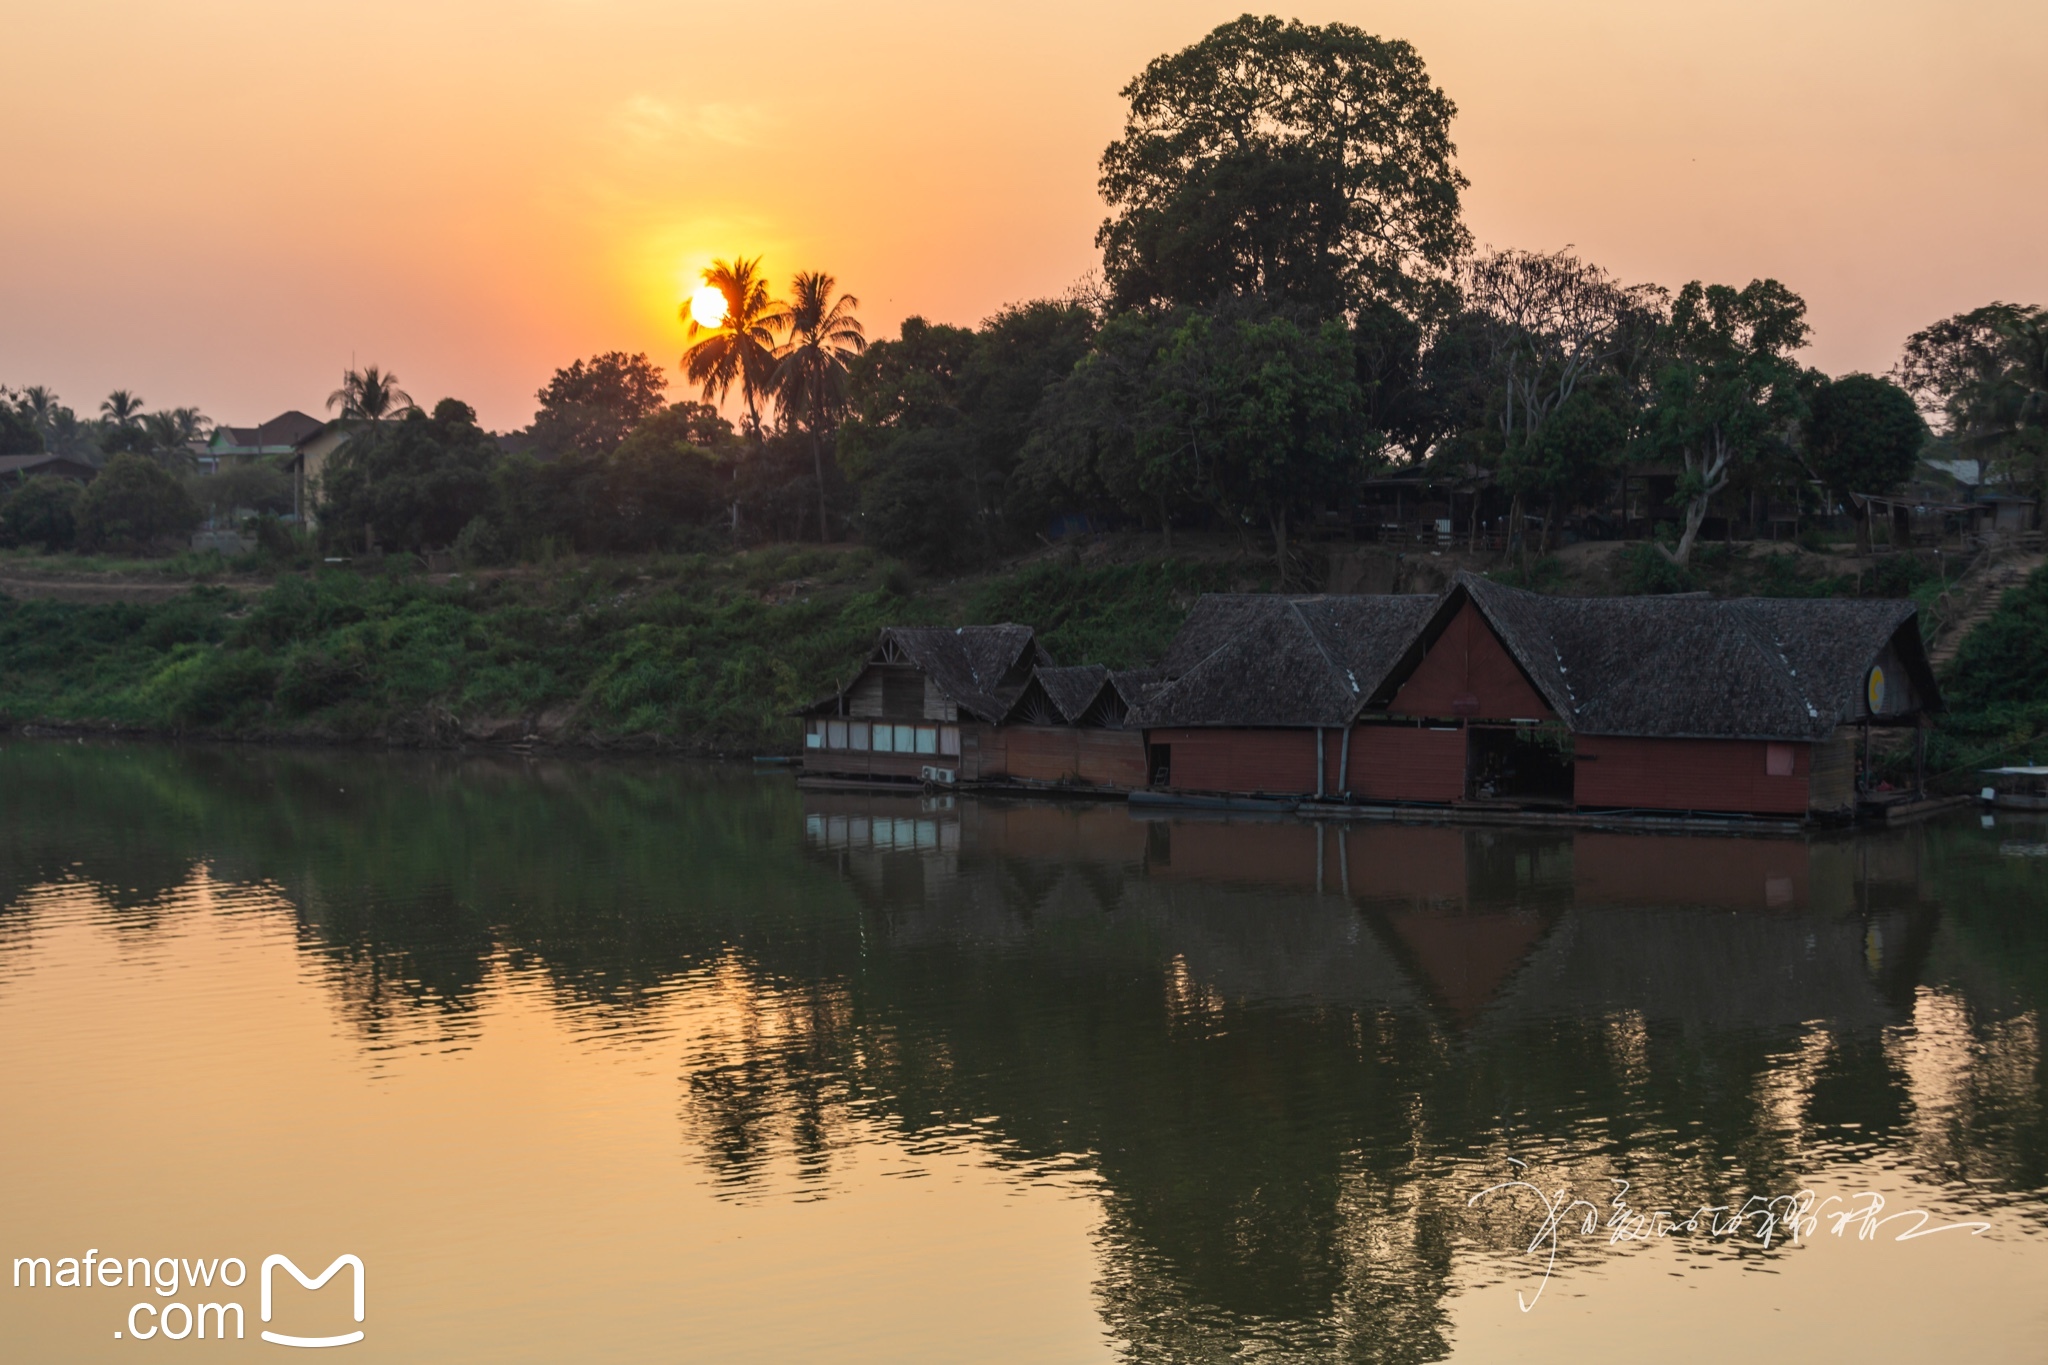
(1262, 692)
(923, 707)
(1749, 706)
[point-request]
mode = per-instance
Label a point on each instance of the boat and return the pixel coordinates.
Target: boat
(2016, 788)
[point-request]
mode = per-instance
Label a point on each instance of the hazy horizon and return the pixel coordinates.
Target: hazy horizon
(222, 203)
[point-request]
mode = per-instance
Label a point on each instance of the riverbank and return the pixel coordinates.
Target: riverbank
(708, 654)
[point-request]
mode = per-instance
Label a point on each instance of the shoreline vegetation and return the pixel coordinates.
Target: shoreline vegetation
(708, 654)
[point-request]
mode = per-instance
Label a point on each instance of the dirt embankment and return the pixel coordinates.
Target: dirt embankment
(102, 588)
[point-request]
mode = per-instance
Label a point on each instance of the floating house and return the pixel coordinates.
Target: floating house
(1490, 696)
(1481, 698)
(924, 707)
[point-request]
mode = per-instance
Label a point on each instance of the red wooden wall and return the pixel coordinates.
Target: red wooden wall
(1051, 753)
(1468, 672)
(1688, 774)
(1244, 760)
(1399, 763)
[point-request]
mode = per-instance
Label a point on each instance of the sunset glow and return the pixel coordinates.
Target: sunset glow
(707, 308)
(506, 190)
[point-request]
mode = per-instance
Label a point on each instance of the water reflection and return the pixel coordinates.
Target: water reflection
(1283, 1054)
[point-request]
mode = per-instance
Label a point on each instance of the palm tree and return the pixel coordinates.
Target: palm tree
(42, 407)
(120, 408)
(369, 395)
(741, 348)
(164, 434)
(810, 379)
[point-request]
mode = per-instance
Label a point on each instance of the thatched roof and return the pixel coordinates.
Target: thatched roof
(981, 668)
(1694, 667)
(1267, 660)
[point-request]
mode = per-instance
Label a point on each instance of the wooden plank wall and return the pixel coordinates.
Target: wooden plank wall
(1688, 774)
(1066, 754)
(1468, 672)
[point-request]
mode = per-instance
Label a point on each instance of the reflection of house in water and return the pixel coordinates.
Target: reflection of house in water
(1721, 930)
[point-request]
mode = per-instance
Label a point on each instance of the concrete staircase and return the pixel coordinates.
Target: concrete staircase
(1979, 593)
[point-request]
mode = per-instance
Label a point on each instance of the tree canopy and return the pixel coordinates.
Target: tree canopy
(1312, 164)
(590, 406)
(1862, 435)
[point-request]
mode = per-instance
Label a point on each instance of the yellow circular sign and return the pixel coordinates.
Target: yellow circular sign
(1876, 690)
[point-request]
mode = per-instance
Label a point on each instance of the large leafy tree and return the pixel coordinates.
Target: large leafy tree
(42, 511)
(1260, 411)
(591, 406)
(410, 484)
(1310, 164)
(1728, 395)
(1986, 373)
(811, 366)
(738, 348)
(1861, 434)
(1552, 324)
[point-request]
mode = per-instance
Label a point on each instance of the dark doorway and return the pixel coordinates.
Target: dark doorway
(1159, 763)
(1528, 764)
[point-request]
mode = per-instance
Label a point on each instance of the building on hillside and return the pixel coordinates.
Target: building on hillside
(924, 706)
(1263, 692)
(1067, 730)
(279, 436)
(15, 469)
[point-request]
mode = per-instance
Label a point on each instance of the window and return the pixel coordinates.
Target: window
(835, 734)
(812, 738)
(857, 735)
(882, 738)
(949, 740)
(927, 739)
(1778, 760)
(906, 739)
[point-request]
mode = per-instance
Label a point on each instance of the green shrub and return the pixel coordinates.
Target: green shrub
(43, 511)
(136, 506)
(1645, 571)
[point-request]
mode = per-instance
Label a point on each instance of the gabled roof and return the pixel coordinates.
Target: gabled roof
(1267, 660)
(982, 668)
(1697, 667)
(1086, 694)
(281, 432)
(47, 462)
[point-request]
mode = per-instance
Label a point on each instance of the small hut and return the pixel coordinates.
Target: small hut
(923, 707)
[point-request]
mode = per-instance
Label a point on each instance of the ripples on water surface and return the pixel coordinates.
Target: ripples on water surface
(632, 1062)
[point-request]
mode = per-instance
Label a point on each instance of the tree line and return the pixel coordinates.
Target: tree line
(1288, 302)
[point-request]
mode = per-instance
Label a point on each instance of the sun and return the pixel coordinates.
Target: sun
(707, 308)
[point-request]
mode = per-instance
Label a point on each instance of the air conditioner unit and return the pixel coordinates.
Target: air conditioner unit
(942, 776)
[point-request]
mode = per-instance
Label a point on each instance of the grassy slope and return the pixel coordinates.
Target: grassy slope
(713, 652)
(701, 652)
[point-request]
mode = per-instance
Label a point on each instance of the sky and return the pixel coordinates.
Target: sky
(224, 203)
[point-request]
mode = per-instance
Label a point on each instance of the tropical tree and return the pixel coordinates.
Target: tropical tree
(1309, 164)
(591, 406)
(171, 431)
(1729, 394)
(121, 409)
(41, 407)
(1986, 373)
(18, 432)
(134, 504)
(740, 347)
(369, 395)
(810, 373)
(1552, 324)
(1862, 435)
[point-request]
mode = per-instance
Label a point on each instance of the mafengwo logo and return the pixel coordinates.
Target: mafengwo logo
(168, 1317)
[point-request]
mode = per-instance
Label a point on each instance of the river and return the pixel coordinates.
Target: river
(639, 1061)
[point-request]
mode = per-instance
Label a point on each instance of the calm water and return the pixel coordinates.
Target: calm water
(622, 1062)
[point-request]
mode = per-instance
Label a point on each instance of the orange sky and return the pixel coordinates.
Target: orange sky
(220, 202)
